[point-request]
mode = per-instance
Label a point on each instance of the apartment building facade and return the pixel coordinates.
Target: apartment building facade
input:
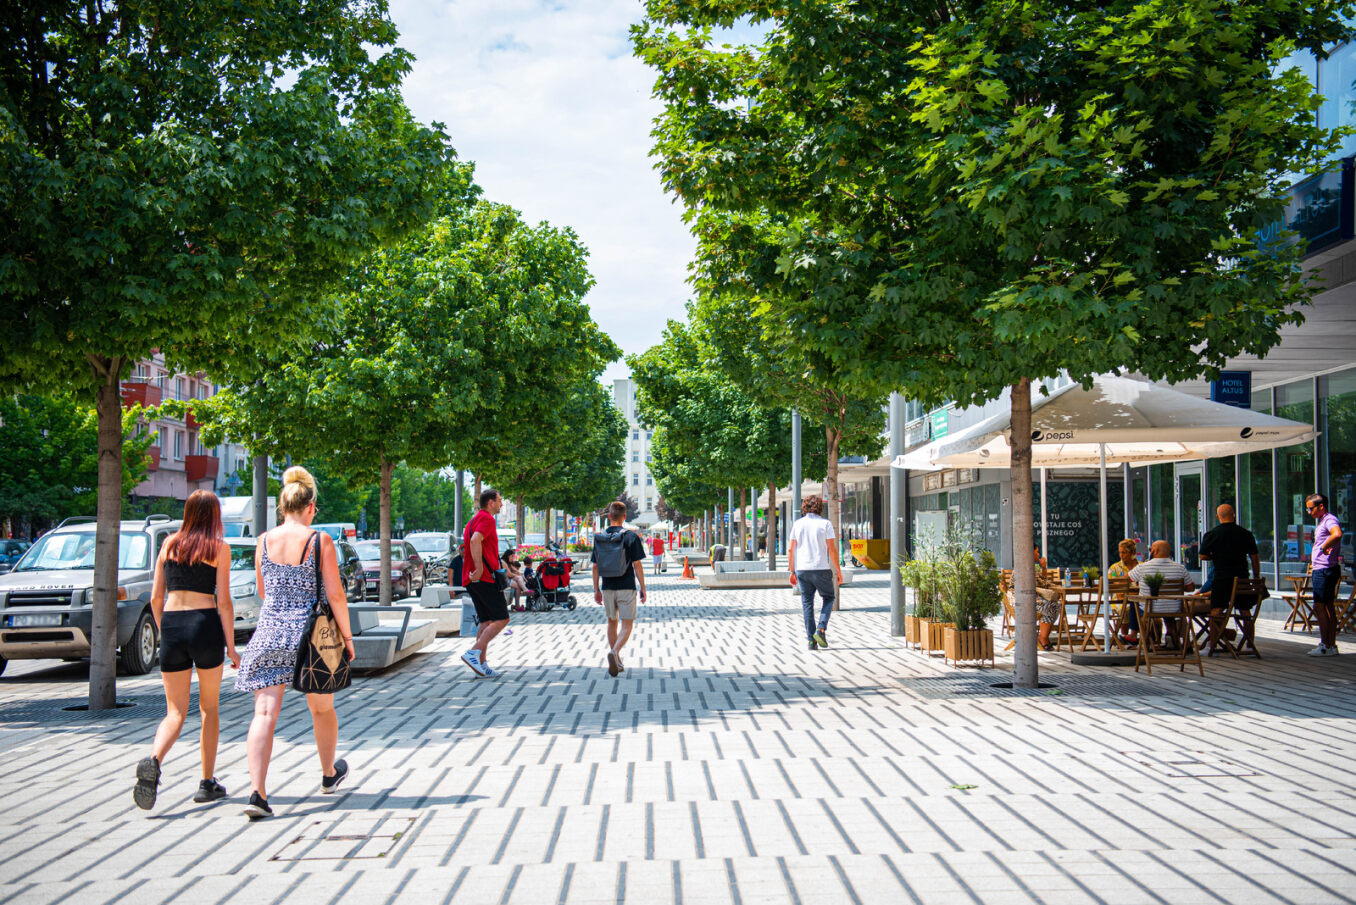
(639, 481)
(179, 462)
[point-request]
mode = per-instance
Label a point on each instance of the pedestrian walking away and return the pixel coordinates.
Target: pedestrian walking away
(285, 571)
(191, 605)
(479, 570)
(1232, 549)
(1327, 574)
(813, 555)
(657, 554)
(618, 574)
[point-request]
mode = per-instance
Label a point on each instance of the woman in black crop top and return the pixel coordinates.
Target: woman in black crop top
(191, 602)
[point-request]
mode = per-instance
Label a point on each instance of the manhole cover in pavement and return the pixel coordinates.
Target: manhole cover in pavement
(1187, 764)
(346, 839)
(1077, 686)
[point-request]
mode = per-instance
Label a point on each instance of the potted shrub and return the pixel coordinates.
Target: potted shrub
(1154, 582)
(974, 598)
(918, 574)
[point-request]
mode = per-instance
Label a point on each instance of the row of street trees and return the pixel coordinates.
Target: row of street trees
(955, 200)
(241, 186)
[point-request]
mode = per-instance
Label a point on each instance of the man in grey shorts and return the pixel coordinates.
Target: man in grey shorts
(617, 559)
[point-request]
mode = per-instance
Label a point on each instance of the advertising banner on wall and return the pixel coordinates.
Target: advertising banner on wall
(1073, 523)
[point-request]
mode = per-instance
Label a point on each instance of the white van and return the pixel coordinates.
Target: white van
(237, 515)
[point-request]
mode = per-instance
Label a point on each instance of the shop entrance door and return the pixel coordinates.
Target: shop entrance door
(1190, 480)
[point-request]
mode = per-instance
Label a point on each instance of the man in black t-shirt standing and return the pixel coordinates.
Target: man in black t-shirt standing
(1231, 548)
(617, 593)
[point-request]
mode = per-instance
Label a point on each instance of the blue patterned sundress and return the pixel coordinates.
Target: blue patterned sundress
(289, 593)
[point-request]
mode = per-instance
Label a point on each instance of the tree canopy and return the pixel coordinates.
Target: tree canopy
(970, 198)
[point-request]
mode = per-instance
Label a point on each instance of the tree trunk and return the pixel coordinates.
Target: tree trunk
(771, 521)
(1025, 672)
(519, 521)
(103, 664)
(833, 436)
(384, 529)
(550, 524)
(475, 503)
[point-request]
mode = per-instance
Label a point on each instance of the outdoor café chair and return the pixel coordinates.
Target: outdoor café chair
(1244, 606)
(1171, 604)
(1346, 612)
(1113, 610)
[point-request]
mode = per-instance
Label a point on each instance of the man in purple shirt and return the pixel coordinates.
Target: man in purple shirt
(1327, 574)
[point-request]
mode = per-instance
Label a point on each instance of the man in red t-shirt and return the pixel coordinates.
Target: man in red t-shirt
(480, 562)
(657, 553)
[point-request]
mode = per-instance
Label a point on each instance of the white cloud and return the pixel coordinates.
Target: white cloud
(550, 103)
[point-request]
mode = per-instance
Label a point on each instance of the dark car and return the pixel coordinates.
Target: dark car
(10, 552)
(408, 574)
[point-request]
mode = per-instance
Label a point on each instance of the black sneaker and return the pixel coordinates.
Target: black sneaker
(258, 808)
(148, 777)
(328, 784)
(209, 790)
(813, 645)
(821, 639)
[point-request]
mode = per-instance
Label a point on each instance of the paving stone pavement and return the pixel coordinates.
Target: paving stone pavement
(727, 765)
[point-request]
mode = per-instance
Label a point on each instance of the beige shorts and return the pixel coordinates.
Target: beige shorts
(619, 604)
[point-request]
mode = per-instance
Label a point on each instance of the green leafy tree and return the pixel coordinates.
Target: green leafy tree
(188, 180)
(445, 346)
(50, 467)
(976, 197)
(592, 471)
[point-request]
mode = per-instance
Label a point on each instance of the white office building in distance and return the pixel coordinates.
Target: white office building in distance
(639, 481)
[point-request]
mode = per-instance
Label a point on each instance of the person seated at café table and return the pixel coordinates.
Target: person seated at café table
(1129, 558)
(1050, 605)
(1231, 548)
(1160, 562)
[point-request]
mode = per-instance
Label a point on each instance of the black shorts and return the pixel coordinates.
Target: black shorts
(489, 601)
(191, 638)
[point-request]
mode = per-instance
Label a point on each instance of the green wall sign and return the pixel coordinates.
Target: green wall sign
(940, 419)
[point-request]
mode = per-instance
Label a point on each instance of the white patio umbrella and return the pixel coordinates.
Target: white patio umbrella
(1117, 420)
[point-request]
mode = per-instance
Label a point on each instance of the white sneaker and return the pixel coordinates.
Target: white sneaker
(1330, 651)
(472, 659)
(1207, 651)
(1320, 651)
(490, 671)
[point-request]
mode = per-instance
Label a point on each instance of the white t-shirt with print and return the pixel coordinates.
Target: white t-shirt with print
(811, 534)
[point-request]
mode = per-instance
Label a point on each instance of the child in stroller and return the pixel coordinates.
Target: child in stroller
(549, 585)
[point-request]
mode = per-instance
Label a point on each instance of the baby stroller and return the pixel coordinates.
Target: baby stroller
(549, 585)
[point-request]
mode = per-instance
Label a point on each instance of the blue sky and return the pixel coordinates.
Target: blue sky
(548, 101)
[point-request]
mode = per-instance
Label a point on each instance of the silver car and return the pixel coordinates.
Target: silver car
(245, 597)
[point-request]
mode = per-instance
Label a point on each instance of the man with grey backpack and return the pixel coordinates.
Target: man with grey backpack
(618, 555)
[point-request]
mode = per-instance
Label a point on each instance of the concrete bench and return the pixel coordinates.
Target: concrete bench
(694, 556)
(740, 565)
(740, 579)
(380, 644)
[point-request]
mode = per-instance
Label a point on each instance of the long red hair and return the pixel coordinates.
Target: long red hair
(199, 537)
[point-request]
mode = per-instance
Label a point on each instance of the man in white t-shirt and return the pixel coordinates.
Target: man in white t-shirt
(814, 567)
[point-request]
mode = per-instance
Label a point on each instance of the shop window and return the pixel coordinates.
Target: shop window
(1163, 502)
(1335, 77)
(1295, 478)
(1337, 421)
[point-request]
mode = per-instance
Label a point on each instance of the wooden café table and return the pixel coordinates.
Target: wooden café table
(1186, 651)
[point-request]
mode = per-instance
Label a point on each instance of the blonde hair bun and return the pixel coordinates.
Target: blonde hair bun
(298, 490)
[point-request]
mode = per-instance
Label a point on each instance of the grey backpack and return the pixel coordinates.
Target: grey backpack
(609, 553)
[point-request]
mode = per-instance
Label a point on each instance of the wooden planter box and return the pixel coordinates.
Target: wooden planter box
(910, 631)
(932, 634)
(975, 645)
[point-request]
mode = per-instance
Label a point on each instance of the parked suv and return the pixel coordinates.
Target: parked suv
(46, 600)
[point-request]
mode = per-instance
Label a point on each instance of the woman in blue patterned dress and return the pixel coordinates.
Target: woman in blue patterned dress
(284, 564)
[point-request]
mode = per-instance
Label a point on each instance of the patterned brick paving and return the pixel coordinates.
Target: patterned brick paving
(728, 765)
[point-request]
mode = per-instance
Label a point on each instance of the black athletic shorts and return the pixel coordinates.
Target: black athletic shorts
(191, 638)
(489, 601)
